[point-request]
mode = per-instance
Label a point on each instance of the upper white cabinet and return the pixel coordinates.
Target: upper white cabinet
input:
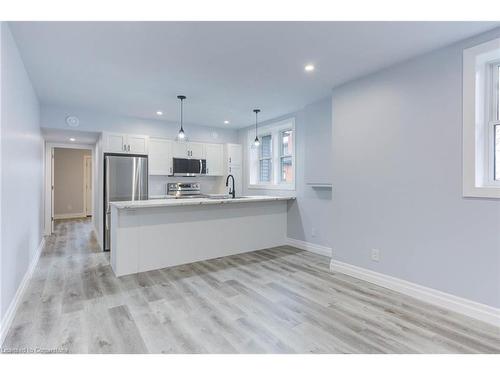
(214, 153)
(160, 156)
(196, 150)
(125, 143)
(188, 150)
(233, 154)
(114, 142)
(137, 144)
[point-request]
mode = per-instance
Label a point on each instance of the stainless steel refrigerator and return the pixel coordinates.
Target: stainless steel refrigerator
(125, 179)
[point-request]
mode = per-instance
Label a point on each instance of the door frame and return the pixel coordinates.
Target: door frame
(48, 186)
(85, 184)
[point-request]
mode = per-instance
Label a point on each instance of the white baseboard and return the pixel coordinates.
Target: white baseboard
(460, 305)
(70, 216)
(14, 304)
(308, 246)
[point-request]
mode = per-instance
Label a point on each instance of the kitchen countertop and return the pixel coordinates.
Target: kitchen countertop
(196, 201)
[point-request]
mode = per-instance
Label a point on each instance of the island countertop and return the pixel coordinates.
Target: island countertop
(196, 201)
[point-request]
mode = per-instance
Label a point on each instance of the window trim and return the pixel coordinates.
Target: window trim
(476, 163)
(283, 156)
(275, 128)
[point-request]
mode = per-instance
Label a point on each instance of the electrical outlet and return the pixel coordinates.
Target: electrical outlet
(313, 232)
(375, 255)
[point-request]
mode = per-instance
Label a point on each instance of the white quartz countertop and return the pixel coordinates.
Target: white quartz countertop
(196, 201)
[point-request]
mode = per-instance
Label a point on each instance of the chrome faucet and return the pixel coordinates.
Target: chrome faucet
(231, 191)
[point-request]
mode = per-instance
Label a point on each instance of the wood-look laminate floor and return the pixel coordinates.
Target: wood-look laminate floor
(280, 300)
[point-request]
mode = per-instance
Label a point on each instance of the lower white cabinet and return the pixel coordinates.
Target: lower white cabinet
(160, 156)
(214, 154)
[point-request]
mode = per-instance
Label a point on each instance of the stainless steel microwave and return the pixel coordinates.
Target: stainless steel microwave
(189, 167)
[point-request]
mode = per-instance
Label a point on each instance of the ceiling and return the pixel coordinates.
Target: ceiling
(224, 68)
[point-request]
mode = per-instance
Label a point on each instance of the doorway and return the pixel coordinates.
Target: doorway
(69, 183)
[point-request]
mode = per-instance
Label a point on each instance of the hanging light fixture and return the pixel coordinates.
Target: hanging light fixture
(256, 141)
(181, 136)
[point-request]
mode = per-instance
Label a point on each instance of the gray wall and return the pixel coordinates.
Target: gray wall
(397, 174)
(313, 207)
(68, 181)
(21, 171)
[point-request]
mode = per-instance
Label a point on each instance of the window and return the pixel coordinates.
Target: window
(272, 164)
(481, 120)
(265, 159)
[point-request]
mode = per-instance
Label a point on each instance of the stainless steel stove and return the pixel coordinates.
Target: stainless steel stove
(184, 190)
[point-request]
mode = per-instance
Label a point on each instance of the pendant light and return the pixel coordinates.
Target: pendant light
(256, 141)
(181, 136)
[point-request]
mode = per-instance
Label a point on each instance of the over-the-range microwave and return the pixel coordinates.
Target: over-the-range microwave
(189, 167)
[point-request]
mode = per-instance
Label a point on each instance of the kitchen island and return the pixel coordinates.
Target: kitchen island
(154, 234)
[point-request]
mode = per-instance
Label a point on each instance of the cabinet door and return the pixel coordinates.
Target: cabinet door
(234, 154)
(160, 156)
(197, 150)
(137, 144)
(114, 142)
(179, 150)
(214, 155)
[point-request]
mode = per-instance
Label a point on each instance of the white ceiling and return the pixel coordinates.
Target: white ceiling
(225, 68)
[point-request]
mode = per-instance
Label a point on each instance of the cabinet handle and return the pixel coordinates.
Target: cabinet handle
(230, 160)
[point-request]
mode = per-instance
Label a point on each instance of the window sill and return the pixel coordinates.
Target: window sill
(482, 192)
(272, 187)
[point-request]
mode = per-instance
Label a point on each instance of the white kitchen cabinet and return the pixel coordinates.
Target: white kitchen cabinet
(189, 150)
(137, 144)
(179, 150)
(115, 142)
(214, 153)
(196, 150)
(160, 156)
(125, 143)
(233, 154)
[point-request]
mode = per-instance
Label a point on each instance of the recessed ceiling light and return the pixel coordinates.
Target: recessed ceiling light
(309, 67)
(226, 122)
(72, 139)
(159, 113)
